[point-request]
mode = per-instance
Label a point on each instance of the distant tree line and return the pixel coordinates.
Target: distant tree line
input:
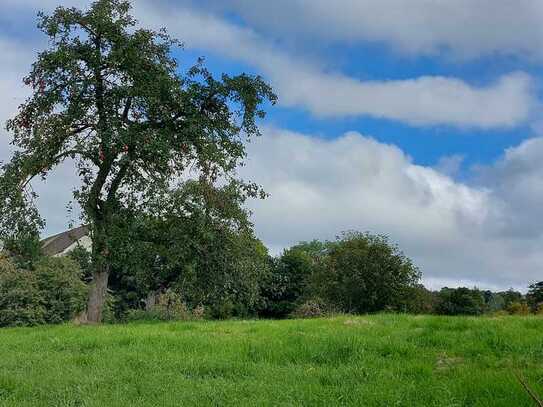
(362, 273)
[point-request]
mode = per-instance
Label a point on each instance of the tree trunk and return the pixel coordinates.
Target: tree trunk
(97, 296)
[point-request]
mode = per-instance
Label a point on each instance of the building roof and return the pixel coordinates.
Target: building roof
(56, 244)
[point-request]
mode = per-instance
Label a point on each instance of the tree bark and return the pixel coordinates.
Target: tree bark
(97, 296)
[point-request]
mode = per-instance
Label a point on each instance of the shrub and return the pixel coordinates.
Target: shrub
(539, 309)
(21, 301)
(363, 273)
(460, 301)
(199, 312)
(419, 300)
(50, 293)
(535, 295)
(309, 309)
(63, 293)
(222, 310)
(169, 307)
(287, 283)
(518, 308)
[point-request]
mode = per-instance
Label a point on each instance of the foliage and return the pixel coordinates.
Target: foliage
(535, 295)
(309, 309)
(21, 301)
(63, 292)
(365, 273)
(510, 296)
(50, 293)
(288, 282)
(108, 95)
(83, 258)
(418, 300)
(24, 250)
(460, 301)
(168, 309)
(494, 302)
(211, 259)
(518, 308)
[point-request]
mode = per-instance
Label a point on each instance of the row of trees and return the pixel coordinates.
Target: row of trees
(356, 273)
(195, 267)
(361, 273)
(465, 301)
(202, 263)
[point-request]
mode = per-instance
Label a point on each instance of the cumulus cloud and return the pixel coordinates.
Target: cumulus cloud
(427, 100)
(463, 28)
(321, 187)
(516, 181)
(450, 164)
(422, 101)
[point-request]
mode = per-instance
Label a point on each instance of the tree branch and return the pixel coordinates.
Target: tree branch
(116, 183)
(64, 154)
(126, 109)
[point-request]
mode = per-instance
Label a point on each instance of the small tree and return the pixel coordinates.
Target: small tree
(21, 301)
(365, 273)
(535, 295)
(460, 301)
(63, 292)
(108, 95)
(51, 292)
(289, 281)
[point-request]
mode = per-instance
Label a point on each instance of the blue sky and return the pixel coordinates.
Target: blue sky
(419, 119)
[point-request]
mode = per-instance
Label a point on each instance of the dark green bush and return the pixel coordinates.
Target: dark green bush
(63, 293)
(50, 293)
(460, 301)
(534, 296)
(288, 282)
(365, 273)
(169, 307)
(222, 310)
(21, 301)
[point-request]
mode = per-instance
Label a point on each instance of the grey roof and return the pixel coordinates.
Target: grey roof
(58, 243)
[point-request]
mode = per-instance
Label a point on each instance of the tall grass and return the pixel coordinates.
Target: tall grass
(376, 360)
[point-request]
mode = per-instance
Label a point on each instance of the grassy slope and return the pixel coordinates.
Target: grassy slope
(376, 360)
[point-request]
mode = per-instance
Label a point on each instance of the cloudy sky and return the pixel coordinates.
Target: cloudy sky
(419, 119)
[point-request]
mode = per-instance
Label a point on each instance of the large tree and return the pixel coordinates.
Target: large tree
(108, 95)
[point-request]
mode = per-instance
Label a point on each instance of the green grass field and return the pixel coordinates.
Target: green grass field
(381, 360)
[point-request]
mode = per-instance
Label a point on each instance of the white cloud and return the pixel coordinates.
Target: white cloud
(450, 165)
(463, 28)
(427, 100)
(516, 181)
(321, 187)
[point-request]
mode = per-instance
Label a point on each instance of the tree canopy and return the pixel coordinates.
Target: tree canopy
(108, 95)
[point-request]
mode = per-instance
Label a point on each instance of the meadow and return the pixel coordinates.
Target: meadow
(377, 360)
